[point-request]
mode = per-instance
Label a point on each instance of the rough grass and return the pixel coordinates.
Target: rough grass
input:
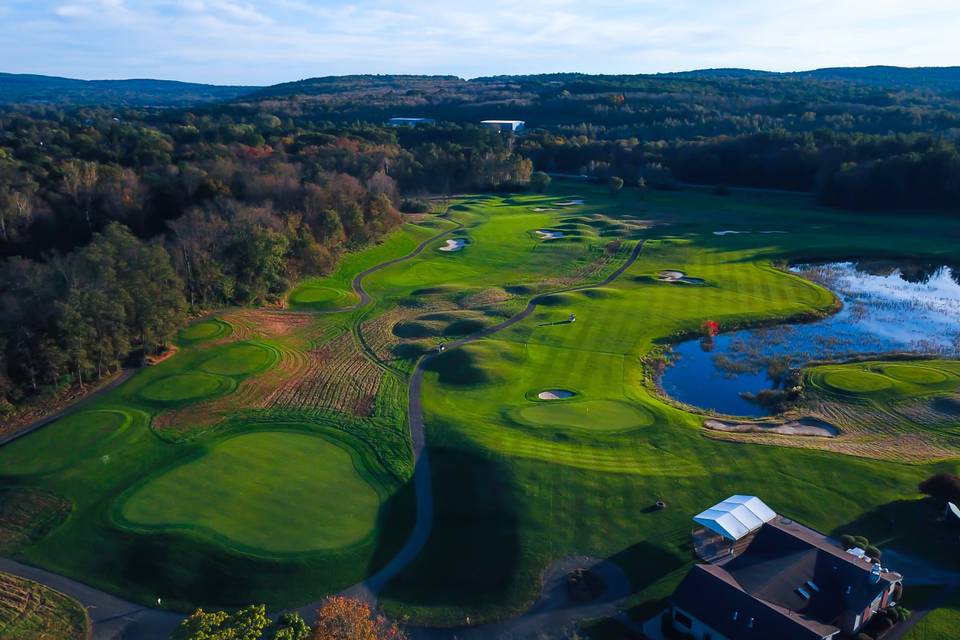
(29, 611)
(27, 515)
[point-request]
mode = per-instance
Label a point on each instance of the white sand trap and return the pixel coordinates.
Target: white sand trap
(549, 235)
(555, 394)
(542, 209)
(802, 427)
(570, 203)
(728, 232)
(672, 275)
(453, 245)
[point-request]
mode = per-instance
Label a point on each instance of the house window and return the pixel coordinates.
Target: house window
(682, 619)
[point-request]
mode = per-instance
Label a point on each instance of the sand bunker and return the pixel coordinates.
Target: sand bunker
(555, 394)
(454, 244)
(800, 427)
(671, 275)
(549, 235)
(542, 209)
(570, 203)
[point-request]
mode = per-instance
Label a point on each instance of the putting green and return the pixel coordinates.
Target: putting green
(61, 443)
(266, 492)
(185, 386)
(596, 415)
(204, 330)
(240, 359)
(913, 373)
(855, 381)
(321, 296)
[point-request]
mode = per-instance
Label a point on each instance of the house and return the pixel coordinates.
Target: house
(766, 576)
(515, 126)
(409, 122)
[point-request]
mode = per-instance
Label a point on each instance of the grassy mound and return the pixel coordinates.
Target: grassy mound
(204, 330)
(915, 374)
(241, 359)
(557, 299)
(415, 329)
(286, 492)
(56, 446)
(184, 387)
(856, 381)
(320, 297)
(595, 415)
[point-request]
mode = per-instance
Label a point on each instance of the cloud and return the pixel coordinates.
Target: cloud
(275, 40)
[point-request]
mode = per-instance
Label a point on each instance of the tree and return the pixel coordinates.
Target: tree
(944, 487)
(539, 181)
(246, 624)
(80, 182)
(289, 626)
(614, 184)
(342, 618)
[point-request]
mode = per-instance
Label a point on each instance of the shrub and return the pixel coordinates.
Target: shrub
(414, 205)
(847, 541)
(873, 552)
(943, 486)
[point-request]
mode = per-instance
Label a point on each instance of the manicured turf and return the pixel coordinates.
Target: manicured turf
(856, 381)
(518, 482)
(595, 415)
(185, 386)
(877, 381)
(241, 359)
(75, 437)
(941, 623)
(204, 330)
(263, 492)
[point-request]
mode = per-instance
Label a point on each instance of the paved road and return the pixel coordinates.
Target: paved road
(122, 377)
(114, 618)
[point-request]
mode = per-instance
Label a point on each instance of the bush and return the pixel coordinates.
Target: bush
(847, 541)
(943, 486)
(414, 205)
(873, 552)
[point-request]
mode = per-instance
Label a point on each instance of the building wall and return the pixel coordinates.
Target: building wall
(697, 629)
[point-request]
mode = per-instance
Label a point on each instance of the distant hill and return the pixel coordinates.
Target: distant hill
(37, 89)
(943, 78)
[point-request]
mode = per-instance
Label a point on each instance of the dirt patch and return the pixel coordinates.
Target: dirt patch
(168, 352)
(264, 323)
(31, 610)
(801, 427)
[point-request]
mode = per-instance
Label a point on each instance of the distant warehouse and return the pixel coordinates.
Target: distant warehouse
(516, 126)
(409, 122)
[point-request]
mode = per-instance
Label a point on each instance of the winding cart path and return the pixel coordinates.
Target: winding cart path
(112, 617)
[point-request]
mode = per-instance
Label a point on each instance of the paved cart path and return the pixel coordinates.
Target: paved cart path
(114, 618)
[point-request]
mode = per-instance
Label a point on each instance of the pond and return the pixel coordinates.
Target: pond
(886, 308)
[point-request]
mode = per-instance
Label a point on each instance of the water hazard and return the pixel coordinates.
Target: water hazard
(886, 308)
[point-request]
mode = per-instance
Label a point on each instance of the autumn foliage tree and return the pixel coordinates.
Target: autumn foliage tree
(342, 618)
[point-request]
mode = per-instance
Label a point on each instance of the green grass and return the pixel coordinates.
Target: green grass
(204, 330)
(241, 359)
(518, 482)
(883, 382)
(286, 493)
(942, 622)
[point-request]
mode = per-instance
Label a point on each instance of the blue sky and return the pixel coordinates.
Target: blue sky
(268, 41)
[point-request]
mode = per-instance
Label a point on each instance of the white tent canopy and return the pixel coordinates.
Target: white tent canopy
(736, 516)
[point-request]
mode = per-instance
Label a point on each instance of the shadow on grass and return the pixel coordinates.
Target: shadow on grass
(911, 526)
(470, 559)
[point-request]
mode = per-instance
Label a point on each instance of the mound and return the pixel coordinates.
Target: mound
(949, 405)
(205, 330)
(435, 291)
(240, 359)
(67, 440)
(270, 494)
(410, 350)
(320, 297)
(915, 374)
(464, 326)
(460, 367)
(414, 329)
(596, 415)
(856, 381)
(598, 293)
(186, 386)
(556, 299)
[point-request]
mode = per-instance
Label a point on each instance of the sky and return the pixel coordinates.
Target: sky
(268, 41)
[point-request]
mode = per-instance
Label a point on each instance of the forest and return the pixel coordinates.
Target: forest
(118, 223)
